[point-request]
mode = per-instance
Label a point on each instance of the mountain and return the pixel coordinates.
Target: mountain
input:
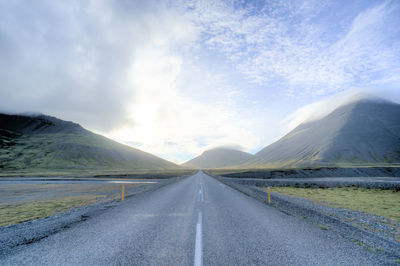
(364, 132)
(218, 158)
(44, 143)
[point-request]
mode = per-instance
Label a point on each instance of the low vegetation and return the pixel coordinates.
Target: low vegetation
(21, 203)
(384, 203)
(323, 227)
(12, 214)
(102, 173)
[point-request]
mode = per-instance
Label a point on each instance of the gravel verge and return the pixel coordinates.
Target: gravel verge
(366, 230)
(319, 172)
(327, 182)
(32, 231)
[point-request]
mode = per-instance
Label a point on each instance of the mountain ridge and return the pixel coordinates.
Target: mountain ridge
(363, 132)
(218, 158)
(45, 142)
(37, 124)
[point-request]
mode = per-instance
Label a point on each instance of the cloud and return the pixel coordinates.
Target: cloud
(322, 108)
(73, 59)
(126, 69)
(176, 78)
(168, 123)
(289, 45)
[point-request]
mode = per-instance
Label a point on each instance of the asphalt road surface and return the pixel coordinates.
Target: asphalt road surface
(194, 221)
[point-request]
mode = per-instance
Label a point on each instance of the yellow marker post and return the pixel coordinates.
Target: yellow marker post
(269, 194)
(123, 192)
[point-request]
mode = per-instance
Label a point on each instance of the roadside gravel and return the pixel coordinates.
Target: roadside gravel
(319, 172)
(375, 233)
(322, 182)
(35, 230)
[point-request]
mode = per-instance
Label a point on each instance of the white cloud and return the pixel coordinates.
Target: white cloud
(165, 121)
(177, 78)
(286, 45)
(325, 106)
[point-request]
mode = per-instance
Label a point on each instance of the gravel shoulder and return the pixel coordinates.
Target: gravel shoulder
(366, 230)
(322, 182)
(345, 172)
(32, 231)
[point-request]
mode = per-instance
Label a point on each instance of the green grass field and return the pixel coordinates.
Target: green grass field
(21, 203)
(384, 203)
(12, 214)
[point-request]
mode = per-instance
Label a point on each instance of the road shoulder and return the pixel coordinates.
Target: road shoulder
(322, 217)
(29, 232)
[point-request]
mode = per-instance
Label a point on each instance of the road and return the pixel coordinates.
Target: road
(194, 221)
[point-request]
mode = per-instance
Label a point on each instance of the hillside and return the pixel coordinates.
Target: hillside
(44, 143)
(218, 158)
(363, 133)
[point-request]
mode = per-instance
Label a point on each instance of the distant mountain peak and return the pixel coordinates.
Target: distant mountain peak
(347, 107)
(362, 132)
(218, 158)
(365, 97)
(220, 149)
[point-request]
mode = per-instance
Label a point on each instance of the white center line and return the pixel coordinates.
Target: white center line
(201, 193)
(198, 258)
(199, 197)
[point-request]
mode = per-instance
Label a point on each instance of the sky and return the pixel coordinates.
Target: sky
(175, 78)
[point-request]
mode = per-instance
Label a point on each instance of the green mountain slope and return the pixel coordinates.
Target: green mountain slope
(363, 133)
(218, 158)
(44, 143)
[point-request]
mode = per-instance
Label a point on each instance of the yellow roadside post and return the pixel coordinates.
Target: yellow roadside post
(123, 192)
(269, 194)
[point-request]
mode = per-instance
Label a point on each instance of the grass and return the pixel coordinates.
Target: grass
(21, 203)
(323, 227)
(12, 214)
(384, 203)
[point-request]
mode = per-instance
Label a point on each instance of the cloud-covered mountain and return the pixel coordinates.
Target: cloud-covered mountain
(43, 143)
(363, 132)
(218, 158)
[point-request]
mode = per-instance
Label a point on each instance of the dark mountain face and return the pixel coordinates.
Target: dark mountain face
(43, 143)
(360, 133)
(218, 158)
(371, 134)
(37, 124)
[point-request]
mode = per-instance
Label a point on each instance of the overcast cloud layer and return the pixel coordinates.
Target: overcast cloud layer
(175, 78)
